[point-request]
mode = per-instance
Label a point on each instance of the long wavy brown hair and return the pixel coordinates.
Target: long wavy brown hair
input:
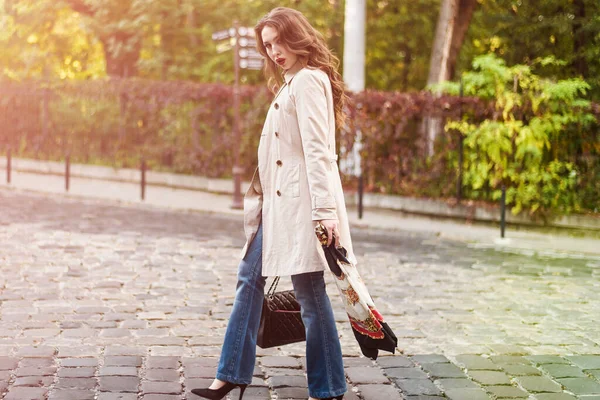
(298, 35)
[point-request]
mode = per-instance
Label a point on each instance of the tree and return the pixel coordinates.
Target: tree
(452, 26)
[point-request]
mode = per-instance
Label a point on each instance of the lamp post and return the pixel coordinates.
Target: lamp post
(354, 73)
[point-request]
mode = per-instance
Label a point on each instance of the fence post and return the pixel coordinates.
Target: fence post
(67, 171)
(360, 195)
(143, 170)
(503, 212)
(460, 150)
(8, 165)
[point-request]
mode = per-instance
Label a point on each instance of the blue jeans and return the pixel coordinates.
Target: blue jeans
(324, 364)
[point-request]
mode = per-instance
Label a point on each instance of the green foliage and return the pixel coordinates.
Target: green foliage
(519, 147)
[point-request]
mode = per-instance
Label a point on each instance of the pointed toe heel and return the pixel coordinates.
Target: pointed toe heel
(218, 394)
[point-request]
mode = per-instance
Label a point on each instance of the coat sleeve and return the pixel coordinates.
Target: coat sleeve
(311, 108)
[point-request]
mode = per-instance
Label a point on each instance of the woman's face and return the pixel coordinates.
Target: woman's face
(276, 50)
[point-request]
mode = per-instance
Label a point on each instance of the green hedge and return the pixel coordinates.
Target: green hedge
(186, 127)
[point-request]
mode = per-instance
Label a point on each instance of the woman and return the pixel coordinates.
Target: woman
(295, 186)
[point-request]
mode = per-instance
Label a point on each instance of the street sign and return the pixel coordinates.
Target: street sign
(251, 63)
(247, 42)
(250, 53)
(220, 35)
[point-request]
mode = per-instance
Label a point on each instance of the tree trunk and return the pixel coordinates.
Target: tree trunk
(452, 26)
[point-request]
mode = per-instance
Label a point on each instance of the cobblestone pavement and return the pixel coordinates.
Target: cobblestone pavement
(102, 301)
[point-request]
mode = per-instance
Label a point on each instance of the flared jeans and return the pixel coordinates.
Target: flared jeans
(324, 364)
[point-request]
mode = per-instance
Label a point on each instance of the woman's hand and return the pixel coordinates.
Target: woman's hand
(332, 230)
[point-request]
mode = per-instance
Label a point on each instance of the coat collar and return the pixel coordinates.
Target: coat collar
(290, 73)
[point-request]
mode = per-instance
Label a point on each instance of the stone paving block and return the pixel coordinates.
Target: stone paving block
(457, 384)
(162, 362)
(33, 371)
(36, 362)
(123, 361)
(507, 392)
(507, 349)
(473, 362)
(366, 375)
(358, 362)
(466, 394)
(78, 362)
(393, 362)
(406, 373)
(490, 377)
(255, 393)
(430, 359)
(118, 371)
(162, 375)
(29, 393)
(197, 383)
(161, 397)
(417, 386)
(288, 381)
(5, 376)
(443, 370)
(71, 394)
(562, 371)
(539, 384)
(580, 386)
(125, 351)
(8, 363)
(281, 371)
(586, 361)
(542, 359)
(78, 351)
(36, 352)
(554, 396)
(78, 372)
(199, 372)
(521, 369)
(119, 384)
(280, 361)
(161, 387)
(423, 398)
(378, 392)
(34, 381)
(117, 396)
(76, 383)
(292, 393)
(506, 359)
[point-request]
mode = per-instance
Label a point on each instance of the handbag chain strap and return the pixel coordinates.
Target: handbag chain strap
(273, 287)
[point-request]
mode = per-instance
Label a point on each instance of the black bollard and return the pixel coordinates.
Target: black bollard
(143, 168)
(503, 212)
(361, 190)
(8, 165)
(67, 171)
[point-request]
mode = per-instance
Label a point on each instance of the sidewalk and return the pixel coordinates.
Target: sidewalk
(518, 239)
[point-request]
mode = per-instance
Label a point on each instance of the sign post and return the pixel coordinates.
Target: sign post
(241, 40)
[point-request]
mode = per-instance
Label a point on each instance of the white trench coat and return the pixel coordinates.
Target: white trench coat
(297, 182)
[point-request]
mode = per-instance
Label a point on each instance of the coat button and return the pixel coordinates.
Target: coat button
(277, 134)
(279, 163)
(276, 106)
(278, 193)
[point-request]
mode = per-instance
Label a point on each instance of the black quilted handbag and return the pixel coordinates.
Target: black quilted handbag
(280, 321)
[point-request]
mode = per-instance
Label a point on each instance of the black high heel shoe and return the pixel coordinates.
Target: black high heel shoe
(217, 394)
(340, 397)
